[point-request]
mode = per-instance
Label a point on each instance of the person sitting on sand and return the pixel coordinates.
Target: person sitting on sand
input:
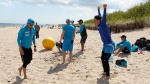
(68, 34)
(124, 46)
(108, 44)
(83, 34)
(26, 36)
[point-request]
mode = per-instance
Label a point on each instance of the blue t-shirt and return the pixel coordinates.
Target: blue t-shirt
(26, 36)
(69, 31)
(74, 26)
(126, 44)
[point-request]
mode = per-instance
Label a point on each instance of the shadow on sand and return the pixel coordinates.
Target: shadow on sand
(57, 54)
(78, 54)
(18, 80)
(122, 55)
(102, 81)
(43, 50)
(58, 68)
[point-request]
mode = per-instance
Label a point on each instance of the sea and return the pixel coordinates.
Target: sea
(5, 25)
(17, 25)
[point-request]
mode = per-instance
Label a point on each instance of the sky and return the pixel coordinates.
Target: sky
(57, 11)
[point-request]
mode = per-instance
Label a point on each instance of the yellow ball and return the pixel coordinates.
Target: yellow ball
(48, 43)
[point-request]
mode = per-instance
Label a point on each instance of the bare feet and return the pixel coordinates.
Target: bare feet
(20, 69)
(107, 77)
(103, 74)
(82, 50)
(63, 62)
(27, 78)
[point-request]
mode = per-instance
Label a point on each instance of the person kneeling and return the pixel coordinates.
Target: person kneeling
(59, 46)
(124, 46)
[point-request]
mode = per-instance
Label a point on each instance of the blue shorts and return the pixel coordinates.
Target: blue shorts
(109, 48)
(67, 45)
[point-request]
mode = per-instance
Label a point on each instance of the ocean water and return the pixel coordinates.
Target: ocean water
(5, 25)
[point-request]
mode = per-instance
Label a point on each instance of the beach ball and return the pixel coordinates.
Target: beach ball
(48, 43)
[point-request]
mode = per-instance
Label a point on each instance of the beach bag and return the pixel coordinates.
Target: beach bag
(134, 48)
(121, 62)
(141, 42)
(148, 46)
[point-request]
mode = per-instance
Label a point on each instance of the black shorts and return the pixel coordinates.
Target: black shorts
(125, 50)
(27, 57)
(59, 45)
(83, 39)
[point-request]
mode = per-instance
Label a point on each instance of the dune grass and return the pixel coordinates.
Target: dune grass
(136, 13)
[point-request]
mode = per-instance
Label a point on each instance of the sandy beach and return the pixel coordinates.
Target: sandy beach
(46, 67)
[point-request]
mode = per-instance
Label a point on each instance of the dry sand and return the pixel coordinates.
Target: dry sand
(46, 67)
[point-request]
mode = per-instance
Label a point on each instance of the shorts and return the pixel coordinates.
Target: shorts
(83, 39)
(67, 45)
(125, 50)
(109, 48)
(59, 45)
(27, 57)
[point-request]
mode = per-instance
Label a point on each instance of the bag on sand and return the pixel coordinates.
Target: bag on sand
(141, 42)
(148, 46)
(121, 62)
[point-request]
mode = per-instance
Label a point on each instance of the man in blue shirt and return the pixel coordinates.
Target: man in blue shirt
(68, 34)
(108, 44)
(25, 38)
(72, 22)
(124, 46)
(83, 34)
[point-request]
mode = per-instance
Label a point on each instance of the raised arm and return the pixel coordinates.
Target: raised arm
(99, 13)
(104, 14)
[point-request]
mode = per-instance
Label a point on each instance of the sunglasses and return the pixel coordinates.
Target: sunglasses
(31, 24)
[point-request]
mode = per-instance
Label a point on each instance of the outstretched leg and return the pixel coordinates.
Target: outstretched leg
(120, 50)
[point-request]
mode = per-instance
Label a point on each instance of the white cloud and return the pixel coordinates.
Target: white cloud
(7, 3)
(92, 4)
(64, 1)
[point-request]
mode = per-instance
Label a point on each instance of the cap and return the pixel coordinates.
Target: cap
(123, 36)
(80, 20)
(67, 20)
(30, 21)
